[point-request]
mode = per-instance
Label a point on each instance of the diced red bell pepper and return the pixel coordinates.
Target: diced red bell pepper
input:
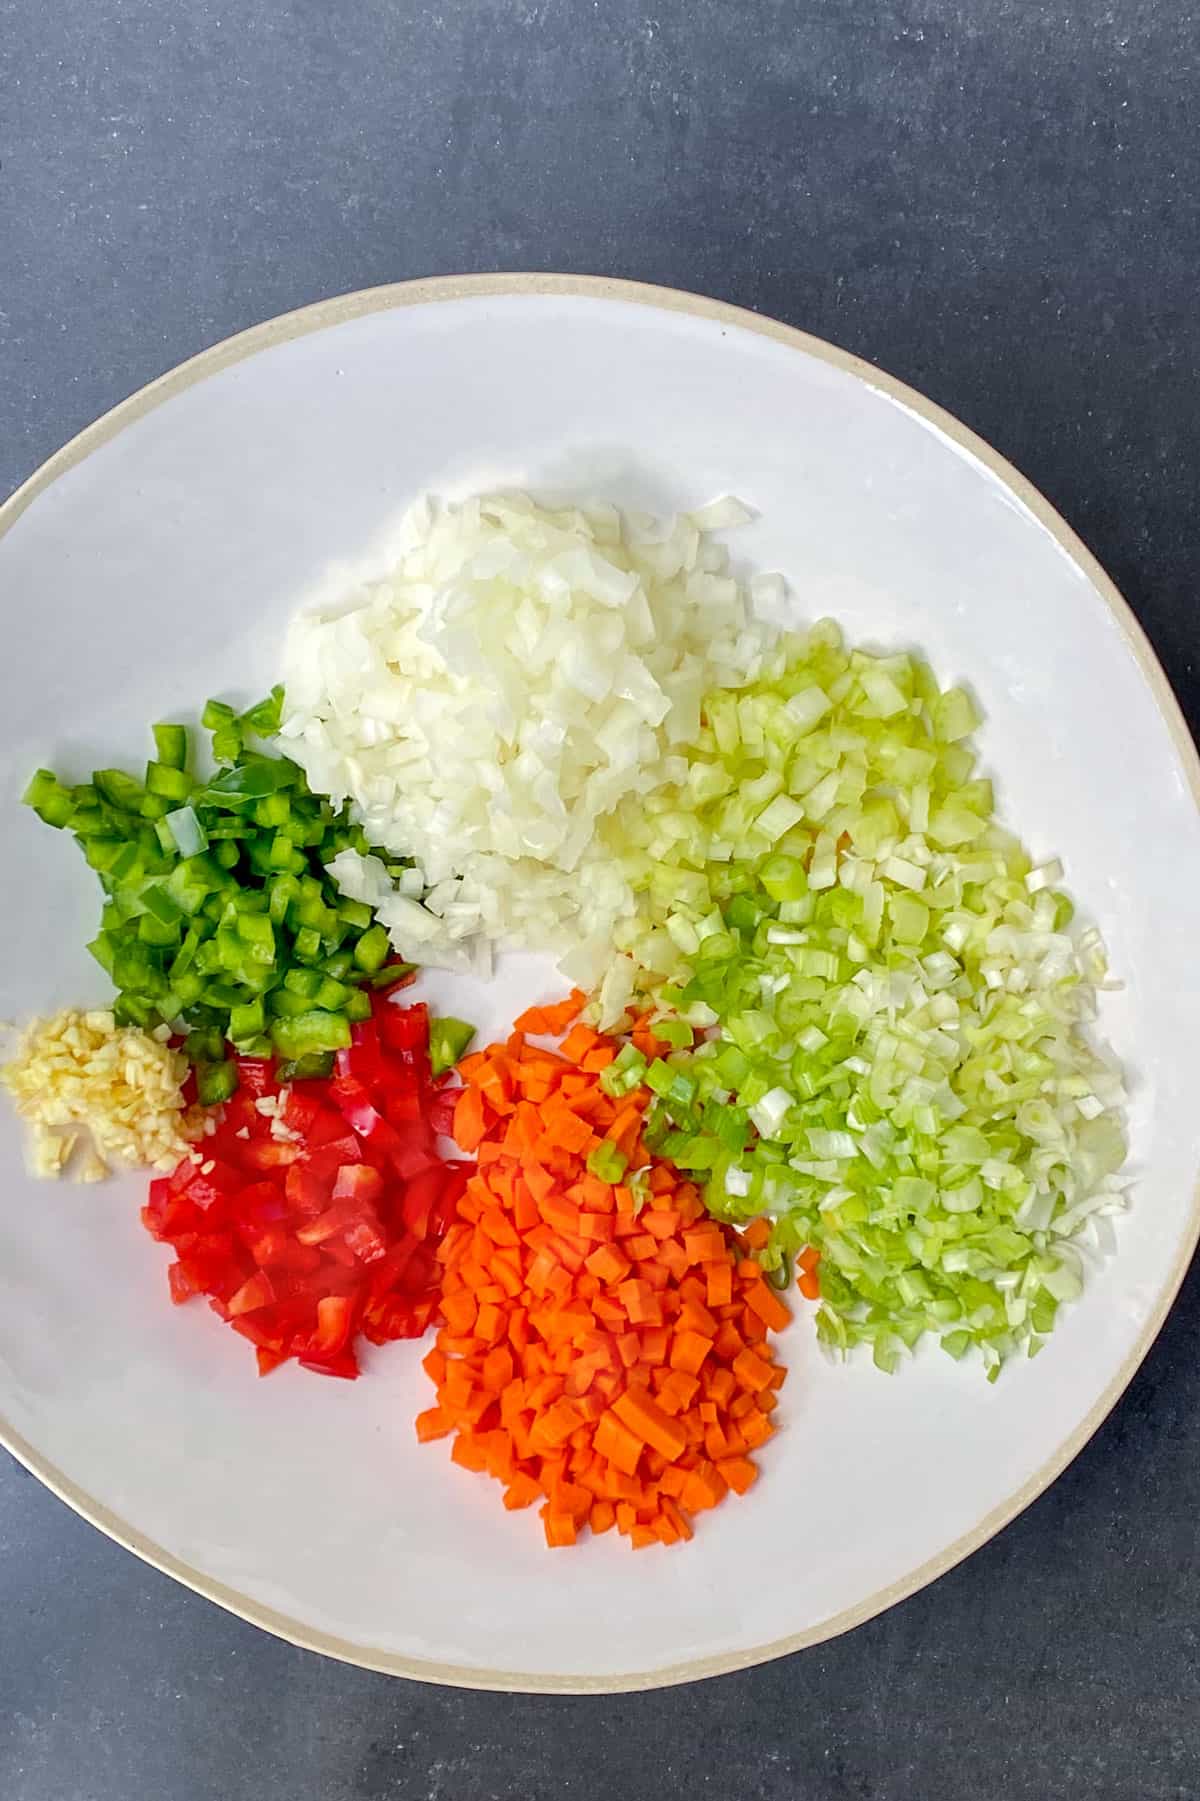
(271, 1153)
(441, 1112)
(327, 1127)
(308, 1189)
(421, 1195)
(254, 1293)
(327, 1159)
(365, 1239)
(344, 1212)
(256, 1075)
(302, 1240)
(260, 1204)
(358, 1182)
(181, 1284)
(345, 1364)
(402, 1028)
(365, 1059)
(335, 1317)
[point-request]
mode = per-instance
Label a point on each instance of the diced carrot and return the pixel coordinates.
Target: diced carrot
(607, 1356)
(459, 1311)
(763, 1300)
(755, 1428)
(538, 1180)
(559, 1212)
(688, 1351)
(468, 1452)
(704, 1244)
(489, 1323)
(738, 1472)
(617, 1443)
(695, 1317)
(608, 1264)
(640, 1302)
(750, 1371)
(497, 1369)
(578, 1042)
(564, 1130)
(433, 1423)
(522, 1491)
(469, 1120)
(758, 1233)
(560, 1528)
(704, 1488)
(648, 1422)
(683, 1386)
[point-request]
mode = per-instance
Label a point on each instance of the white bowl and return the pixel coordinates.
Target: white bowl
(155, 560)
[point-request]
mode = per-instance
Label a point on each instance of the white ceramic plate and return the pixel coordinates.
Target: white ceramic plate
(156, 559)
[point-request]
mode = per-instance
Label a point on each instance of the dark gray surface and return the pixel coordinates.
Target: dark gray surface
(996, 201)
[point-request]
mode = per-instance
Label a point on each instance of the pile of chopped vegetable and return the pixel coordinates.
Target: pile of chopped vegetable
(114, 1094)
(604, 1348)
(311, 1213)
(900, 1075)
(837, 1018)
(220, 915)
(491, 700)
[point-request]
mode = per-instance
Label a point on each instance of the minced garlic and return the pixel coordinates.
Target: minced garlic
(121, 1085)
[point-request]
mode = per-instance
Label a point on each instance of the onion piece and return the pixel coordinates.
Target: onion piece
(492, 704)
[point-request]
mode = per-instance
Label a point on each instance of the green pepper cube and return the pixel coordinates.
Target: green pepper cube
(305, 982)
(158, 932)
(216, 1082)
(282, 891)
(371, 950)
(171, 745)
(315, 1066)
(448, 1039)
(226, 744)
(332, 995)
(310, 1031)
(263, 718)
(246, 1021)
(355, 913)
(188, 986)
(173, 784)
(104, 951)
(118, 789)
(390, 974)
(308, 944)
(49, 799)
(285, 1003)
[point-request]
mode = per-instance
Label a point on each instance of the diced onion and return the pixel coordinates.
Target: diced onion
(492, 704)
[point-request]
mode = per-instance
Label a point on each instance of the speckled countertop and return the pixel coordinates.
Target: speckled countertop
(997, 200)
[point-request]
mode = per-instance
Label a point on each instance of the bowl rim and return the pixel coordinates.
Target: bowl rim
(338, 310)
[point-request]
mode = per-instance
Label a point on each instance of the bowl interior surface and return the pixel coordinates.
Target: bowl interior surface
(162, 567)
